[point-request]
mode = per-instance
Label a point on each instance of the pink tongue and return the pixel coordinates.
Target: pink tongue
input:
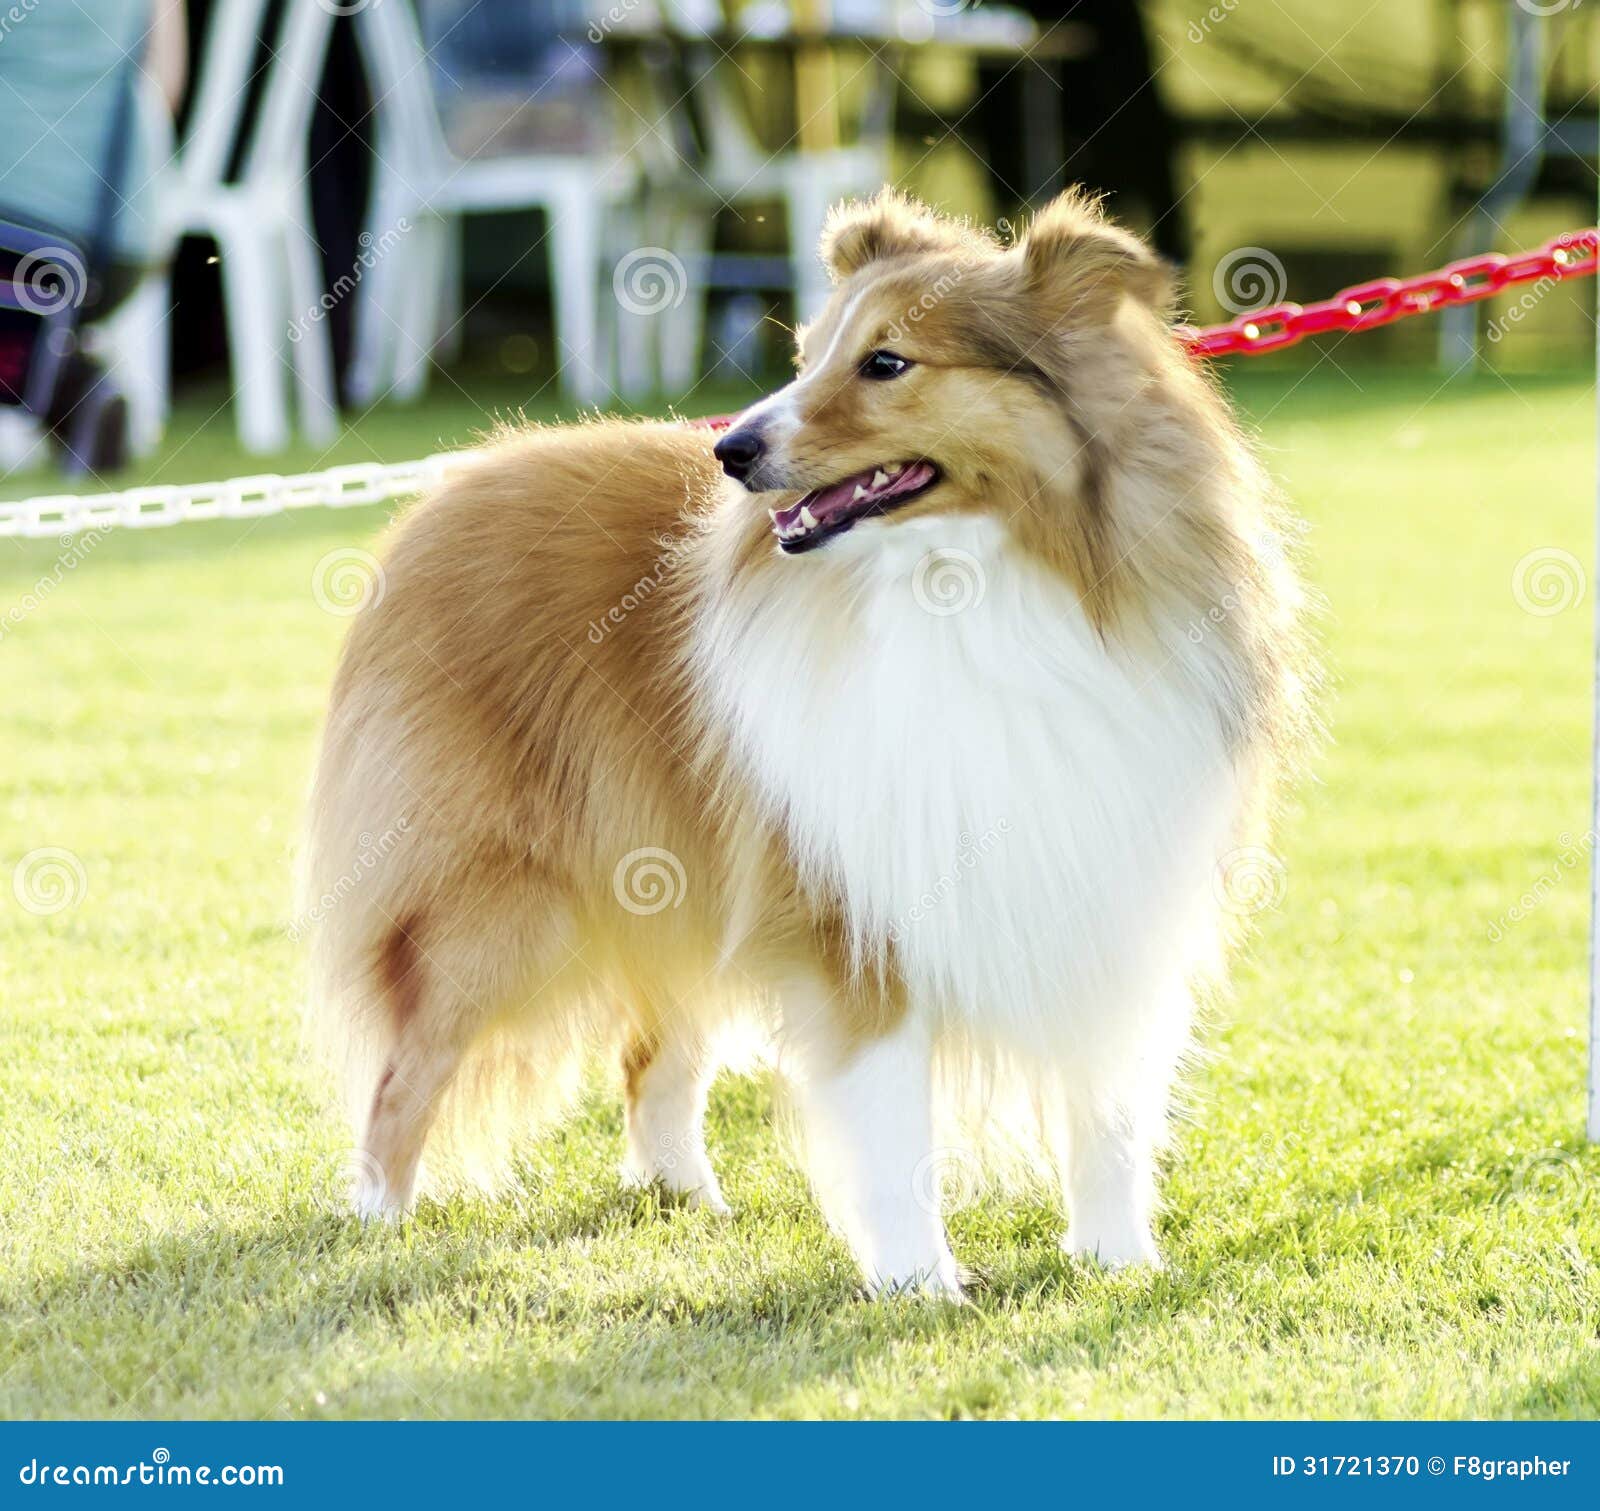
(840, 497)
(838, 500)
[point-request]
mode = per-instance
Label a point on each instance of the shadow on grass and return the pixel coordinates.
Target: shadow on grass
(1382, 1196)
(579, 1296)
(258, 1318)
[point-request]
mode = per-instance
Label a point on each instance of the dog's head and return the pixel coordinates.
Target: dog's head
(941, 373)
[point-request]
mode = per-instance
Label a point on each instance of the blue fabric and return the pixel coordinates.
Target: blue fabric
(61, 70)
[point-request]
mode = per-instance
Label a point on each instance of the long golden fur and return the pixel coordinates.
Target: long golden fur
(581, 858)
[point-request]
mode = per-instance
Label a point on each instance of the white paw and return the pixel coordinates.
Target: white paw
(709, 1200)
(941, 1282)
(702, 1196)
(377, 1206)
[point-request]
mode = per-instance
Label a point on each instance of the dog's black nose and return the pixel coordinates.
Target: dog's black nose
(739, 451)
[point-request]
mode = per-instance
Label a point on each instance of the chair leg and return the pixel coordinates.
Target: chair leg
(633, 372)
(156, 344)
(451, 311)
(682, 327)
(312, 355)
(133, 344)
(251, 298)
(575, 245)
(379, 299)
(414, 313)
(631, 369)
(807, 206)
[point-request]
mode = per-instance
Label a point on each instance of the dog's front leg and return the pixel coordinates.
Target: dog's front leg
(866, 1109)
(1111, 1188)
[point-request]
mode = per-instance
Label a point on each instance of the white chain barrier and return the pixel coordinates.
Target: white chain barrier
(236, 498)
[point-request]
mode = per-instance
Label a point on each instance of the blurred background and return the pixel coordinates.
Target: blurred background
(278, 214)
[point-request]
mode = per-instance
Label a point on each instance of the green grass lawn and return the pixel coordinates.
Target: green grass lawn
(1381, 1206)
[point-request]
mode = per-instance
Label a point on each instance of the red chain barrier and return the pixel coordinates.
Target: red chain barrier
(1574, 254)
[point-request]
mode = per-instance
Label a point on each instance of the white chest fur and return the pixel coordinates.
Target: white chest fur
(1031, 822)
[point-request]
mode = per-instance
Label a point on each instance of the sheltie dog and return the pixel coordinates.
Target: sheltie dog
(913, 720)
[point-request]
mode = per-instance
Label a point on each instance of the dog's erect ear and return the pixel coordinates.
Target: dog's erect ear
(1077, 264)
(889, 224)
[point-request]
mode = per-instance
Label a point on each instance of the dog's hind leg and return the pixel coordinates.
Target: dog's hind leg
(440, 981)
(667, 1077)
(426, 1043)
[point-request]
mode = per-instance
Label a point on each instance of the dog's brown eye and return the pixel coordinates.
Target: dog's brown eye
(882, 365)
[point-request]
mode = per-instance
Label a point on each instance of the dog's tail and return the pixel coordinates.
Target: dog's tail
(421, 946)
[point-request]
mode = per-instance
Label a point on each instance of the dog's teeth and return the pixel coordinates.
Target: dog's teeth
(772, 514)
(895, 470)
(807, 518)
(859, 494)
(880, 479)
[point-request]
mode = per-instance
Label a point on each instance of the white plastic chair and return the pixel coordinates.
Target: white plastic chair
(409, 298)
(807, 182)
(261, 220)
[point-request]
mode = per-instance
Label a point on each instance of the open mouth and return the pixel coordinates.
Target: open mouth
(826, 512)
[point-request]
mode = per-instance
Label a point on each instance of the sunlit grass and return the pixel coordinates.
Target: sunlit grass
(1381, 1204)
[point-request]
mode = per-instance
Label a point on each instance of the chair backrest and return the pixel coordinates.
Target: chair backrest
(280, 127)
(390, 39)
(720, 103)
(222, 89)
(281, 136)
(413, 139)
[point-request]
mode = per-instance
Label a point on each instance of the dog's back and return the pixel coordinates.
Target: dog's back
(506, 705)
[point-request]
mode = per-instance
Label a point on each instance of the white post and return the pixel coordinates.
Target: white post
(1594, 803)
(1594, 850)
